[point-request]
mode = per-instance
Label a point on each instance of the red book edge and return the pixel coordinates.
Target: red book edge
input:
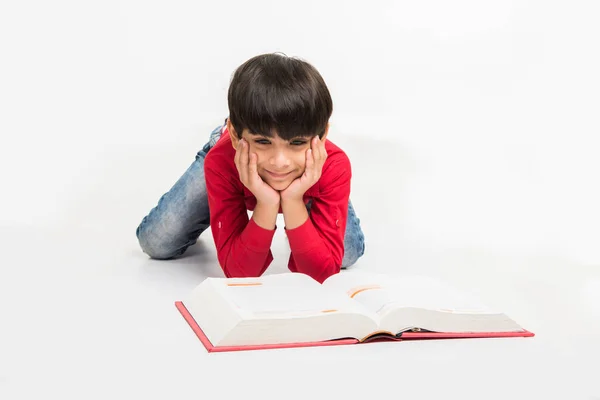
(346, 341)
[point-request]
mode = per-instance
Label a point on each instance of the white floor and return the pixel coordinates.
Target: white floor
(85, 314)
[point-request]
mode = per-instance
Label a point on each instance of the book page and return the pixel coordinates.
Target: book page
(381, 293)
(285, 295)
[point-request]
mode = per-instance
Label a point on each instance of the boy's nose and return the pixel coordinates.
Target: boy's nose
(280, 160)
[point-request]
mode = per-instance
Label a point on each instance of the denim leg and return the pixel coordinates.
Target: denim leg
(181, 214)
(354, 239)
(179, 218)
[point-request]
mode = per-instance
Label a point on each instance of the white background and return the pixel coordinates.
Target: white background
(472, 127)
(492, 105)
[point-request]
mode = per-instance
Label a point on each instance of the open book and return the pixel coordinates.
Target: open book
(293, 310)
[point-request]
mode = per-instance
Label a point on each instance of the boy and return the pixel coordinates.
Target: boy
(270, 156)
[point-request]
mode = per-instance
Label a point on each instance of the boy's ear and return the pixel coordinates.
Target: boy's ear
(232, 134)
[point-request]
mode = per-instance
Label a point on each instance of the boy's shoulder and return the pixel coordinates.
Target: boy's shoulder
(221, 157)
(335, 154)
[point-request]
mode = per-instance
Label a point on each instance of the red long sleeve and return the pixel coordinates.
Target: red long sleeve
(317, 246)
(243, 248)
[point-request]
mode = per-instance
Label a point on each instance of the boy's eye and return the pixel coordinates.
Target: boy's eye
(293, 142)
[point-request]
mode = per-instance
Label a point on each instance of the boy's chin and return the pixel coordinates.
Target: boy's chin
(279, 186)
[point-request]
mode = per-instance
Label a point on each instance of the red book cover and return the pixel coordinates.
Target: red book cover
(347, 341)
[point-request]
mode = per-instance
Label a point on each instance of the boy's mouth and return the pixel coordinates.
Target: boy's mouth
(276, 175)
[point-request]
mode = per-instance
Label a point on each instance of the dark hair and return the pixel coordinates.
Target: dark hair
(276, 92)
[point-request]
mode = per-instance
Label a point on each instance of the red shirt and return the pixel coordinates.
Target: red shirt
(244, 248)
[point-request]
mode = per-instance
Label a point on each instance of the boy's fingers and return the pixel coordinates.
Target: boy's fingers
(322, 151)
(314, 155)
(236, 159)
(322, 158)
(238, 166)
(243, 149)
(310, 163)
(252, 166)
(244, 161)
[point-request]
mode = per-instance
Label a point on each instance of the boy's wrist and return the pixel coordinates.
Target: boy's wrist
(268, 203)
(290, 198)
(265, 214)
(294, 212)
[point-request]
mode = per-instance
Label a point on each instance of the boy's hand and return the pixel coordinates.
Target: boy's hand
(246, 166)
(315, 159)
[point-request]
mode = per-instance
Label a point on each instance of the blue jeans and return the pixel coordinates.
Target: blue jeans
(182, 214)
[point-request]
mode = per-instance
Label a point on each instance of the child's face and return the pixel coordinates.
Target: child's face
(279, 161)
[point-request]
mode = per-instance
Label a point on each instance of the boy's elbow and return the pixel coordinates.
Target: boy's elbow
(232, 270)
(325, 273)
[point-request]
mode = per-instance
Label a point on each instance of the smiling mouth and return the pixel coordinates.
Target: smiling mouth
(278, 175)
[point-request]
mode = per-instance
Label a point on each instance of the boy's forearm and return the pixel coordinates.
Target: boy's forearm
(294, 213)
(265, 215)
(312, 254)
